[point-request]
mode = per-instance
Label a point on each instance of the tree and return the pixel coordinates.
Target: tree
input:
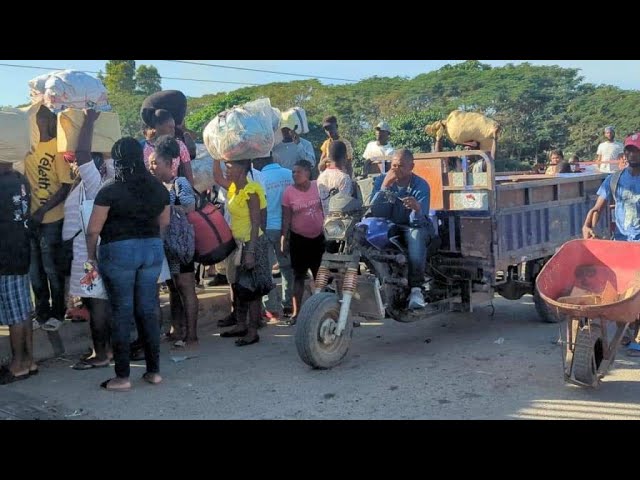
(596, 108)
(148, 80)
(127, 106)
(407, 131)
(539, 107)
(120, 76)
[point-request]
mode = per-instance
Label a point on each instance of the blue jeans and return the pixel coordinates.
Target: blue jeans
(270, 302)
(130, 269)
(47, 271)
(416, 239)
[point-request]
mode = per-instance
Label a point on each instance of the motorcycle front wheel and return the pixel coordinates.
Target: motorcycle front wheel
(317, 344)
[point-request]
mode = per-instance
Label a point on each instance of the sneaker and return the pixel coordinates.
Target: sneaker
(35, 324)
(416, 299)
(52, 325)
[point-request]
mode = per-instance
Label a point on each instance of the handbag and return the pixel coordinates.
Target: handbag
(86, 207)
(92, 284)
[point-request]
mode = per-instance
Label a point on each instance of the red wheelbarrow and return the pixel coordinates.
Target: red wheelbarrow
(592, 283)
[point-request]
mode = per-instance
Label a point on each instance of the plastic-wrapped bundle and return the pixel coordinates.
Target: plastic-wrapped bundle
(36, 87)
(70, 89)
(276, 122)
(202, 167)
(242, 133)
(296, 120)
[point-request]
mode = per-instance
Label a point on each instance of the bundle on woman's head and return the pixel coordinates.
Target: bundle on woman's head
(128, 158)
(160, 116)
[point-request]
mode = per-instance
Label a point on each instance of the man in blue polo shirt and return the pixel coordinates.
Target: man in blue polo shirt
(275, 180)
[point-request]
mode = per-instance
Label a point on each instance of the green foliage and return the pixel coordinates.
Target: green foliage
(127, 105)
(407, 131)
(539, 107)
(147, 80)
(120, 76)
(596, 108)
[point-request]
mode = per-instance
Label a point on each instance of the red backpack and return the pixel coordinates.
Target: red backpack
(213, 238)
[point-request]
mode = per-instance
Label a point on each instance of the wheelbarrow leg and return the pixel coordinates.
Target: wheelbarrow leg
(610, 349)
(572, 331)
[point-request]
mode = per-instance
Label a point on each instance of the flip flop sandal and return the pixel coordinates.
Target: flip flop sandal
(145, 377)
(6, 376)
(289, 323)
(52, 325)
(241, 342)
(239, 333)
(84, 365)
(105, 385)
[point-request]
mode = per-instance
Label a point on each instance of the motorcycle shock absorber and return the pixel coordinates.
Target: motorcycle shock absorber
(349, 284)
(322, 279)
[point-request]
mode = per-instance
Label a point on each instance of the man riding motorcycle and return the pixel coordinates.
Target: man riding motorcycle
(410, 209)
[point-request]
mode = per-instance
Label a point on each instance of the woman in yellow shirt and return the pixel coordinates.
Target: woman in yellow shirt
(246, 203)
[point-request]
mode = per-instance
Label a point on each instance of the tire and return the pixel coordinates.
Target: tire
(319, 317)
(544, 312)
(587, 349)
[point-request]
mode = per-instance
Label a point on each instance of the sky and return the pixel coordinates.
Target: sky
(14, 89)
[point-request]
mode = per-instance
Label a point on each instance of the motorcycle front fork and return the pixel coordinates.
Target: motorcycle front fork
(349, 284)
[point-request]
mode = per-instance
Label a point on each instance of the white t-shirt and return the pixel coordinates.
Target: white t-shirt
(328, 180)
(378, 154)
(609, 151)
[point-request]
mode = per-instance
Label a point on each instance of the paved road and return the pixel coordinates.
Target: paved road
(448, 368)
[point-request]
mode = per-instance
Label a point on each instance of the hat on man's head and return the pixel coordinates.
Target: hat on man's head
(633, 140)
(610, 128)
(383, 126)
(330, 120)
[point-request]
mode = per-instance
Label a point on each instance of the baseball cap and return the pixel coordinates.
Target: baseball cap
(633, 140)
(384, 126)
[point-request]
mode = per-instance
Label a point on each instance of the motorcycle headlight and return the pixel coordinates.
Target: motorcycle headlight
(335, 230)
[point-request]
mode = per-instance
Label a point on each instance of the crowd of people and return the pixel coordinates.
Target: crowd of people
(275, 206)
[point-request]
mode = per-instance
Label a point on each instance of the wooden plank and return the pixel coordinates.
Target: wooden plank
(511, 198)
(431, 171)
(542, 194)
(569, 190)
(475, 237)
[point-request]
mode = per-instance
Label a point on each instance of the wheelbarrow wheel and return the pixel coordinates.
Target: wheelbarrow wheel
(588, 354)
(544, 312)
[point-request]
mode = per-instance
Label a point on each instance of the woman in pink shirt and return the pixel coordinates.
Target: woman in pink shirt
(164, 124)
(302, 229)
